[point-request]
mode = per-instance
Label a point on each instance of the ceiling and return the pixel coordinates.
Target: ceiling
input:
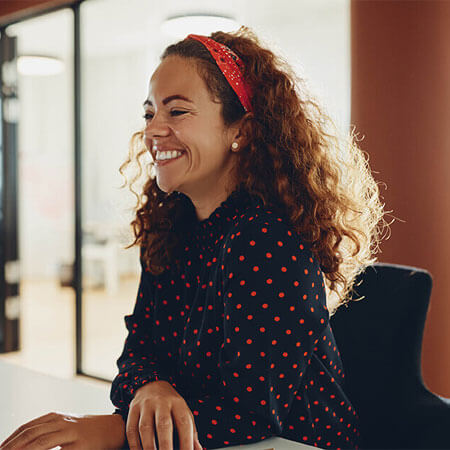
(313, 35)
(110, 27)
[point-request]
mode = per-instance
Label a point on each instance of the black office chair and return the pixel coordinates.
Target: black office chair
(380, 341)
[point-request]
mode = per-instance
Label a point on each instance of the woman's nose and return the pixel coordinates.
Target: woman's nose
(156, 127)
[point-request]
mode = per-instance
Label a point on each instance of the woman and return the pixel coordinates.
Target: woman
(252, 225)
(252, 231)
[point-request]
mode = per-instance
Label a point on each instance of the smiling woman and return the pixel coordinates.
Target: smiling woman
(255, 221)
(252, 224)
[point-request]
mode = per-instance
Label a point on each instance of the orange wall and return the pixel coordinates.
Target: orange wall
(401, 103)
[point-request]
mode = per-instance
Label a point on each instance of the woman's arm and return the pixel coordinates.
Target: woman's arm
(116, 427)
(79, 432)
(138, 364)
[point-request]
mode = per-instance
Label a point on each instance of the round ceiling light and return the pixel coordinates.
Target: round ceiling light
(39, 65)
(182, 25)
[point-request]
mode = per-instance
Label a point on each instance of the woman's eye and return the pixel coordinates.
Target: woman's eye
(177, 112)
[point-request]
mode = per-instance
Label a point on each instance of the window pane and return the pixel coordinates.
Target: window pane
(45, 197)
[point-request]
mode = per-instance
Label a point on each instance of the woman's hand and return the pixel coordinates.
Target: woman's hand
(69, 432)
(151, 412)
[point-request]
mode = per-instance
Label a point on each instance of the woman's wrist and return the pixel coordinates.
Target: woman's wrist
(114, 430)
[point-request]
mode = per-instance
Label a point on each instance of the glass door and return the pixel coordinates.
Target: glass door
(43, 196)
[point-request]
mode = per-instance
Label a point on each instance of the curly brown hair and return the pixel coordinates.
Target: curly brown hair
(295, 157)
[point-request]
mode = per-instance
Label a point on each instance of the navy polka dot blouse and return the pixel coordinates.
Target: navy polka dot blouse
(242, 333)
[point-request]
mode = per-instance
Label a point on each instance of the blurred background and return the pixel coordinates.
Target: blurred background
(74, 77)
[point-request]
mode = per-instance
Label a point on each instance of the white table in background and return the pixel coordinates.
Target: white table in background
(26, 394)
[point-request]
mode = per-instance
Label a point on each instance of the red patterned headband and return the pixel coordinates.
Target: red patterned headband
(230, 65)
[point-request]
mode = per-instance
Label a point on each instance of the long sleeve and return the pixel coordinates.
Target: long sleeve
(138, 364)
(274, 313)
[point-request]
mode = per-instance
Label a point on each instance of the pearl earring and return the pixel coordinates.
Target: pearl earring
(234, 145)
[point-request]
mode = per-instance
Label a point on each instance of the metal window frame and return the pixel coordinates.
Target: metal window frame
(9, 275)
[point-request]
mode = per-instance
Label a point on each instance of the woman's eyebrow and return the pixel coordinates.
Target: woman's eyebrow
(169, 99)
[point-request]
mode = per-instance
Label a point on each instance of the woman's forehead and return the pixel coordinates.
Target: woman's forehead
(177, 76)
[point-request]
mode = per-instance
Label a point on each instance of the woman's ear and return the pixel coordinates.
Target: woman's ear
(241, 133)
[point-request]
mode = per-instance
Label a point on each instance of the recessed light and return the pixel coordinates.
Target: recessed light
(181, 25)
(39, 65)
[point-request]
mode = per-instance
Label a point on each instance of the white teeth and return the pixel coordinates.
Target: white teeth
(160, 156)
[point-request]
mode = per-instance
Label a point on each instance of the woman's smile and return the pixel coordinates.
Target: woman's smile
(164, 158)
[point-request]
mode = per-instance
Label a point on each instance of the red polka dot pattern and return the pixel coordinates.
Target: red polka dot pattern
(251, 351)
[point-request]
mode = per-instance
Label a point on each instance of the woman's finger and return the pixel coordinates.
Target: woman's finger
(39, 420)
(185, 427)
(196, 440)
(147, 430)
(164, 428)
(51, 440)
(197, 444)
(30, 434)
(132, 429)
(76, 446)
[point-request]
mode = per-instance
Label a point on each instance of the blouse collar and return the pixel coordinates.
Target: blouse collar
(234, 205)
(210, 230)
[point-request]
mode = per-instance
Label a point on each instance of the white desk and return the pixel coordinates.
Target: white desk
(26, 394)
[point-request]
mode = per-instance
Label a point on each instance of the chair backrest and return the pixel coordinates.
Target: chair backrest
(380, 341)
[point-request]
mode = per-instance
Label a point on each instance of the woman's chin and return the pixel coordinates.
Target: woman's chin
(167, 186)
